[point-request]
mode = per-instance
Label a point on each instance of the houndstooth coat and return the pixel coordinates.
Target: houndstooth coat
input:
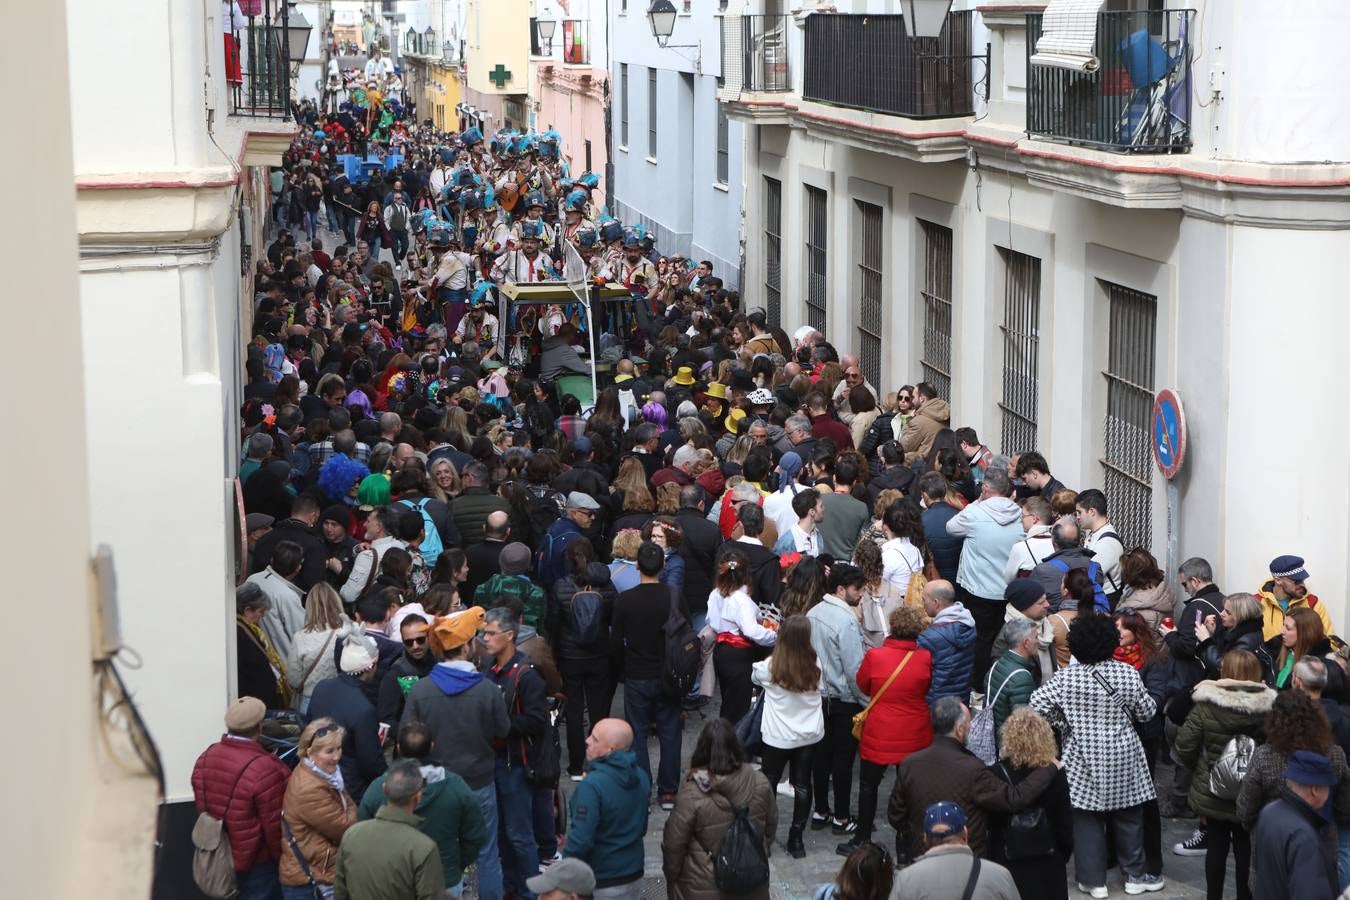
(1103, 758)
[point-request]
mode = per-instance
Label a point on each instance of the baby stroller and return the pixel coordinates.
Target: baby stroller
(1158, 95)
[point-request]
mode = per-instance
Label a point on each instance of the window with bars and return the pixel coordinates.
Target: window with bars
(723, 146)
(588, 156)
(1127, 445)
(817, 233)
(773, 249)
(1021, 350)
(936, 361)
(651, 113)
(623, 104)
(869, 291)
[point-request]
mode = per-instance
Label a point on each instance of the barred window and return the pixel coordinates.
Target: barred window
(1127, 458)
(773, 250)
(869, 291)
(817, 233)
(936, 361)
(1021, 350)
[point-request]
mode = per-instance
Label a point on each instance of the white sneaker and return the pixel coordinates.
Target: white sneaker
(1099, 892)
(1148, 885)
(784, 789)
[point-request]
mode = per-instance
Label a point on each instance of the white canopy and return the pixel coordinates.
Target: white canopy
(1068, 35)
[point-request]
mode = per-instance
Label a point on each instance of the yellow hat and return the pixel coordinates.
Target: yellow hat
(455, 630)
(732, 418)
(684, 376)
(717, 389)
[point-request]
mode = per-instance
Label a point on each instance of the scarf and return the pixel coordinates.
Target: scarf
(278, 667)
(1131, 656)
(334, 780)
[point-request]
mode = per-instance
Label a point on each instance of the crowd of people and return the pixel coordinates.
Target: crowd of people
(455, 569)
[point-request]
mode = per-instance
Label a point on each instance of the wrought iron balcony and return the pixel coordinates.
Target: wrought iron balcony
(755, 53)
(870, 62)
(576, 43)
(260, 86)
(1134, 93)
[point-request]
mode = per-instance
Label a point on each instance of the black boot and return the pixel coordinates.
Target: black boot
(795, 848)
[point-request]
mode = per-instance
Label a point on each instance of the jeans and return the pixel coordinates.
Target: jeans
(545, 823)
(988, 615)
(1218, 835)
(869, 783)
(644, 702)
(515, 809)
(489, 866)
(375, 244)
(454, 893)
(798, 763)
(349, 229)
(696, 622)
(334, 223)
(259, 883)
(311, 223)
(1343, 858)
(1089, 844)
(586, 684)
(630, 891)
(304, 891)
(833, 756)
(400, 248)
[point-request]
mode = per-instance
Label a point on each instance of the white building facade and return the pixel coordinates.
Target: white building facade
(677, 156)
(1052, 256)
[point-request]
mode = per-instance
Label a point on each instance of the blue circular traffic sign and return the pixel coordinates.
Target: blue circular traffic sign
(1169, 433)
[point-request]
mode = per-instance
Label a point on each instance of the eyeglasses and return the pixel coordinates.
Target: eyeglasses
(415, 641)
(487, 634)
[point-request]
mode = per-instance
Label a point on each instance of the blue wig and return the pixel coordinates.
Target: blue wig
(338, 475)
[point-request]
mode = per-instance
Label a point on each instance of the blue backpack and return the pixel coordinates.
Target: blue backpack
(431, 547)
(1094, 571)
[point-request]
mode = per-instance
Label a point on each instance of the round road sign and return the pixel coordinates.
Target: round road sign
(1169, 433)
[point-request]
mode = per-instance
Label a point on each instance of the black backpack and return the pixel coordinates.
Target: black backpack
(683, 653)
(741, 864)
(588, 619)
(546, 506)
(1028, 834)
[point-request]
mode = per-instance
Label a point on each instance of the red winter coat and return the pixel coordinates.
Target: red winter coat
(240, 783)
(899, 723)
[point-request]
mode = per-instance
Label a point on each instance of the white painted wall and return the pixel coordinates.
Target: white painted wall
(701, 218)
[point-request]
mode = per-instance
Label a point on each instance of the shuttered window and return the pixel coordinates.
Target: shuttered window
(1127, 458)
(869, 291)
(817, 233)
(936, 361)
(773, 250)
(1021, 350)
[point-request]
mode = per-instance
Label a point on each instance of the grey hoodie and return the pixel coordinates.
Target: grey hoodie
(991, 528)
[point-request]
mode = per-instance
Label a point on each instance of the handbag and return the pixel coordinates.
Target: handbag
(314, 886)
(1028, 834)
(748, 728)
(860, 718)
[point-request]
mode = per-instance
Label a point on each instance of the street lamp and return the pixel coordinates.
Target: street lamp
(661, 15)
(546, 28)
(297, 35)
(429, 41)
(410, 41)
(924, 18)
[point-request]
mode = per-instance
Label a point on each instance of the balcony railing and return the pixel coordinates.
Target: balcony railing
(576, 44)
(755, 47)
(262, 88)
(1138, 98)
(869, 62)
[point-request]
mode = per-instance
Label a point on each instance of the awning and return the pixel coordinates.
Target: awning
(1069, 35)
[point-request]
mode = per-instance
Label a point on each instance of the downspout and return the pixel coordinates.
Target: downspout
(609, 118)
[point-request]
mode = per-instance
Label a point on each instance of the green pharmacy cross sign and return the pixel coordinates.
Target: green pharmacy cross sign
(500, 76)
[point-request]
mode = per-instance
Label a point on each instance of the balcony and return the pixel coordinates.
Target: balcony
(264, 54)
(576, 44)
(755, 53)
(870, 63)
(1129, 92)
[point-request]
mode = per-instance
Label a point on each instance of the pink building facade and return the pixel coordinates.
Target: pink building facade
(572, 99)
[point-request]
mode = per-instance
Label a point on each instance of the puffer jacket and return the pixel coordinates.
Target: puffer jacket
(1154, 604)
(878, 433)
(704, 809)
(1242, 636)
(899, 722)
(470, 512)
(240, 783)
(318, 815)
(918, 434)
(1223, 708)
(950, 640)
(565, 643)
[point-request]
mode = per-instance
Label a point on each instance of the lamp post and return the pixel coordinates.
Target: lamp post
(410, 41)
(925, 18)
(297, 36)
(661, 16)
(546, 28)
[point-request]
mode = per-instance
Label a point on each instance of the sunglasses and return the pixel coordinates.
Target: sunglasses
(325, 730)
(415, 641)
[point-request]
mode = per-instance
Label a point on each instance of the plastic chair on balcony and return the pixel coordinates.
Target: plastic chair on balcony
(1148, 119)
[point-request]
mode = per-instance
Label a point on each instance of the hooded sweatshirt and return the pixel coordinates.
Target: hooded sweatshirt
(950, 638)
(609, 818)
(465, 713)
(450, 816)
(991, 527)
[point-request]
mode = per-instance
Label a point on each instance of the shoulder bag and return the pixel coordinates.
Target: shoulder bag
(861, 717)
(314, 886)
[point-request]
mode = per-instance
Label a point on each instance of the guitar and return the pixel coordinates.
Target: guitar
(511, 194)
